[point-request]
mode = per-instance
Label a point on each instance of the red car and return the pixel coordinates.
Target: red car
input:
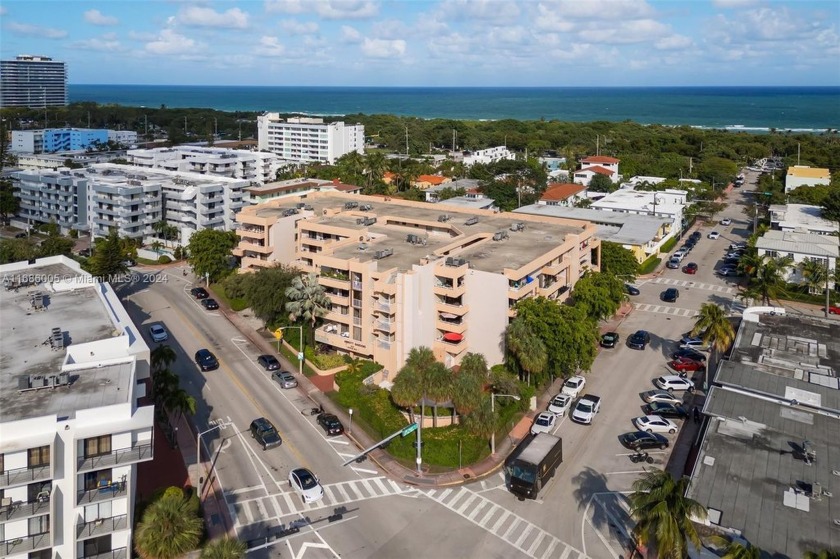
(684, 365)
(833, 310)
(690, 268)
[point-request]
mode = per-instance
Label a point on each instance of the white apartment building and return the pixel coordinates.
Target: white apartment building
(489, 155)
(802, 175)
(130, 203)
(800, 247)
(801, 218)
(668, 203)
(27, 141)
(64, 140)
(53, 195)
(308, 139)
(254, 166)
(123, 137)
(71, 429)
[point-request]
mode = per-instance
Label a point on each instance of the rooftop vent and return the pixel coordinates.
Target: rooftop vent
(363, 246)
(350, 205)
(500, 235)
(380, 254)
(518, 226)
(366, 221)
(471, 221)
(444, 218)
(455, 262)
(290, 211)
(415, 239)
(365, 207)
(37, 301)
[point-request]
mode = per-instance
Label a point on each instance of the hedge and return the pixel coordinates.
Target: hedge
(669, 244)
(649, 265)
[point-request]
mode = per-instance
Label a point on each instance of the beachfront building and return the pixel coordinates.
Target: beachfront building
(802, 175)
(669, 203)
(33, 81)
(72, 429)
(765, 466)
(801, 218)
(300, 139)
(562, 194)
(404, 274)
(59, 140)
(643, 235)
(801, 247)
(254, 166)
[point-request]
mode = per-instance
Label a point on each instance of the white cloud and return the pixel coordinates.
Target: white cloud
(492, 10)
(381, 48)
(727, 4)
(36, 30)
(390, 29)
(233, 18)
(601, 10)
(626, 32)
(674, 42)
(350, 34)
(95, 17)
(142, 36)
(295, 27)
(170, 42)
(346, 9)
(285, 6)
(270, 46)
(101, 44)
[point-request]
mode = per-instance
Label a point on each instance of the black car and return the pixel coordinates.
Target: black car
(21, 235)
(209, 304)
(199, 293)
(264, 432)
(330, 423)
(206, 361)
(639, 340)
(688, 354)
(670, 295)
(697, 235)
(610, 339)
(631, 290)
(85, 252)
(664, 409)
(642, 440)
(269, 362)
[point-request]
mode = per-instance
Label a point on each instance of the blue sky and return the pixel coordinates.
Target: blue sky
(432, 43)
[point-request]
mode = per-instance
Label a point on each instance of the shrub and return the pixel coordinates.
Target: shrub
(173, 492)
(326, 361)
(649, 265)
(669, 244)
(74, 234)
(164, 259)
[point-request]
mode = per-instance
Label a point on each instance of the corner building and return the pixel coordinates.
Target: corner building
(406, 274)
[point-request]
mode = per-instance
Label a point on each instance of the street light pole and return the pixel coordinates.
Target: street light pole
(493, 413)
(300, 342)
(350, 427)
(198, 452)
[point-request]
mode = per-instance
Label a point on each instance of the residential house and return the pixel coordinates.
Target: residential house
(800, 247)
(562, 194)
(802, 175)
(801, 218)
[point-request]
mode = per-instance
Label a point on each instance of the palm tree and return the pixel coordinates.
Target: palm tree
(224, 548)
(422, 378)
(179, 401)
(164, 384)
(307, 301)
(528, 351)
(714, 327)
(767, 275)
(481, 421)
(815, 275)
(468, 385)
(169, 529)
(375, 164)
(736, 550)
(161, 357)
(663, 514)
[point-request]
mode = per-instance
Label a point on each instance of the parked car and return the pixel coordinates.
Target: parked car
(268, 362)
(673, 382)
(673, 264)
(714, 235)
(199, 293)
(688, 353)
(631, 290)
(574, 386)
(306, 485)
(265, 433)
(284, 378)
(697, 235)
(86, 252)
(642, 440)
(685, 365)
(690, 268)
(686, 248)
(727, 271)
(21, 235)
(330, 423)
(655, 424)
(833, 309)
(209, 304)
(696, 344)
(664, 409)
(726, 221)
(670, 295)
(586, 408)
(738, 245)
(680, 254)
(639, 340)
(543, 423)
(610, 339)
(205, 360)
(560, 404)
(660, 396)
(158, 333)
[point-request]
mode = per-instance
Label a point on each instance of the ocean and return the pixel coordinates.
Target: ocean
(754, 109)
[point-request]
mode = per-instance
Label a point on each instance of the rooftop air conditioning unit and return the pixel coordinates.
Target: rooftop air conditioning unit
(471, 221)
(444, 218)
(380, 254)
(519, 226)
(500, 235)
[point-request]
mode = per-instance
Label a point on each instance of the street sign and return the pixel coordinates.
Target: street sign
(409, 429)
(768, 193)
(300, 356)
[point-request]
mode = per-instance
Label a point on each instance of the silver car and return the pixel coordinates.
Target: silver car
(284, 378)
(158, 333)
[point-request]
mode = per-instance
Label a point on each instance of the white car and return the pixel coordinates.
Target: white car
(305, 484)
(660, 396)
(158, 333)
(574, 386)
(713, 235)
(560, 404)
(655, 424)
(586, 408)
(673, 382)
(726, 221)
(543, 423)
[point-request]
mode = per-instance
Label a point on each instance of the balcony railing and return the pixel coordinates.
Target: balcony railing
(20, 476)
(19, 509)
(23, 544)
(136, 453)
(384, 326)
(102, 493)
(101, 526)
(119, 553)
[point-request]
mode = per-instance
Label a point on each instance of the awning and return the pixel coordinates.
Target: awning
(453, 337)
(448, 316)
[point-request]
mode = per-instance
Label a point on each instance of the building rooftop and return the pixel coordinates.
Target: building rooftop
(667, 201)
(616, 227)
(804, 172)
(801, 216)
(785, 242)
(561, 191)
(72, 304)
(600, 159)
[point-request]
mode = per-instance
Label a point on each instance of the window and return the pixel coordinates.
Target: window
(38, 457)
(97, 446)
(94, 480)
(42, 554)
(39, 525)
(38, 491)
(97, 546)
(2, 463)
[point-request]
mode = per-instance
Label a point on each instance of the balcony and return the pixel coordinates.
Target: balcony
(23, 544)
(448, 325)
(338, 299)
(451, 272)
(104, 492)
(549, 289)
(521, 289)
(383, 325)
(451, 307)
(357, 285)
(357, 303)
(449, 289)
(552, 269)
(383, 305)
(21, 476)
(452, 347)
(18, 509)
(255, 247)
(136, 453)
(333, 281)
(383, 343)
(101, 526)
(119, 553)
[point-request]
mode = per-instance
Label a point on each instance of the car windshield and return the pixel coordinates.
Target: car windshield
(559, 402)
(572, 383)
(584, 406)
(522, 473)
(543, 420)
(306, 480)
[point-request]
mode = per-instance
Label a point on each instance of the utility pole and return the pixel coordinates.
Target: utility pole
(453, 140)
(185, 125)
(406, 141)
(597, 144)
(215, 127)
(240, 130)
(88, 119)
(146, 125)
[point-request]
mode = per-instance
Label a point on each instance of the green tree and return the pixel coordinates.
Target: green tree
(766, 276)
(161, 357)
(717, 332)
(422, 378)
(108, 258)
(618, 261)
(663, 514)
(9, 202)
(602, 183)
(210, 253)
(307, 301)
(179, 401)
(815, 275)
(224, 548)
(736, 550)
(265, 291)
(468, 383)
(831, 206)
(481, 421)
(169, 528)
(16, 250)
(55, 245)
(526, 352)
(599, 295)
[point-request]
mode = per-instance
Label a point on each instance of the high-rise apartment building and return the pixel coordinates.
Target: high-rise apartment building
(254, 166)
(33, 81)
(308, 139)
(72, 429)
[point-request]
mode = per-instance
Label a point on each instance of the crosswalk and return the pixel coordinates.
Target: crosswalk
(666, 309)
(279, 505)
(528, 538)
(695, 285)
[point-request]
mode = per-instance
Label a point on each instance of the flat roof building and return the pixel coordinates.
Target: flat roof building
(308, 139)
(406, 274)
(801, 218)
(71, 429)
(33, 81)
(802, 175)
(801, 247)
(254, 166)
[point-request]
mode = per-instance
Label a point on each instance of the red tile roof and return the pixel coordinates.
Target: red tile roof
(432, 179)
(595, 169)
(561, 191)
(601, 159)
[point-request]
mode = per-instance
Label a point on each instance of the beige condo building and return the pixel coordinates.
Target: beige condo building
(406, 274)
